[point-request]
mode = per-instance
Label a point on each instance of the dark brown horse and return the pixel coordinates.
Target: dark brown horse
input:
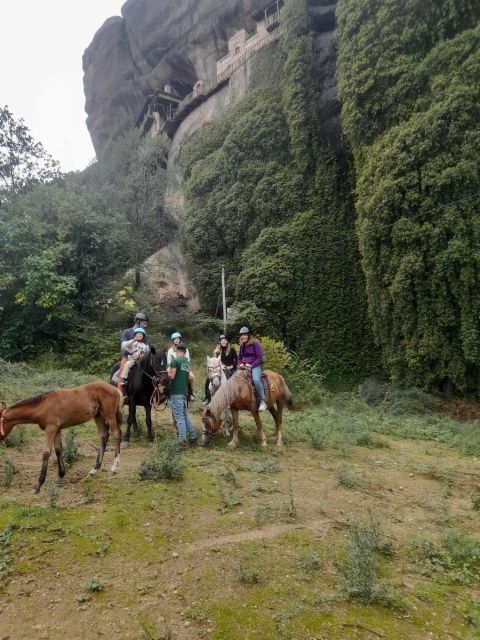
(61, 408)
(237, 394)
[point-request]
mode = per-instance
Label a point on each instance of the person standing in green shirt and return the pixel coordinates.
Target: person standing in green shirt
(178, 372)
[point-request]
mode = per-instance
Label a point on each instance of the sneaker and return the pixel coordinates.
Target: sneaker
(182, 445)
(193, 442)
(262, 406)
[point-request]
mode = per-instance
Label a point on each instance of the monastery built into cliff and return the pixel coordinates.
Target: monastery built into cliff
(166, 109)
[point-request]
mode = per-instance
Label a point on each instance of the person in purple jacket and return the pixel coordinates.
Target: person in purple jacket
(251, 356)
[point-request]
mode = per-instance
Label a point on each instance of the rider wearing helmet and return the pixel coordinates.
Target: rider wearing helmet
(141, 320)
(135, 348)
(251, 357)
(176, 338)
(227, 354)
(228, 357)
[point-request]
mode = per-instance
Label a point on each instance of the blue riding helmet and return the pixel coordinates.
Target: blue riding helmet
(139, 330)
(174, 335)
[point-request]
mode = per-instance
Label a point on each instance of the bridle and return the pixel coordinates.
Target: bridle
(157, 398)
(218, 372)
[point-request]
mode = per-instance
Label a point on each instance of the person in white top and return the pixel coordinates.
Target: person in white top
(135, 348)
(176, 338)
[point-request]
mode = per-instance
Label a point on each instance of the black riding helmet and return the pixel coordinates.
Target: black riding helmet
(141, 317)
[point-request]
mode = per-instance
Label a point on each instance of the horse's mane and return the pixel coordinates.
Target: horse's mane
(228, 393)
(32, 400)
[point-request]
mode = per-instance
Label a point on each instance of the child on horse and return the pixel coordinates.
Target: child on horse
(135, 348)
(141, 321)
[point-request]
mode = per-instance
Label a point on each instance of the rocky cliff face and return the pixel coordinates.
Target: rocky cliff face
(155, 42)
(179, 42)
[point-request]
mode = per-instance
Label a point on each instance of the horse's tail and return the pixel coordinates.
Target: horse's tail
(287, 396)
(118, 412)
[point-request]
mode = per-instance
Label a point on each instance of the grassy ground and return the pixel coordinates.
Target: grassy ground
(365, 525)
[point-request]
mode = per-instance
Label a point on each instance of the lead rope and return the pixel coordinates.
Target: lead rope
(157, 398)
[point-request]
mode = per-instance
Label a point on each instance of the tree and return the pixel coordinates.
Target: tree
(134, 171)
(23, 161)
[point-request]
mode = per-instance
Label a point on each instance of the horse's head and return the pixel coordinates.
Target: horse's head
(214, 371)
(210, 425)
(158, 365)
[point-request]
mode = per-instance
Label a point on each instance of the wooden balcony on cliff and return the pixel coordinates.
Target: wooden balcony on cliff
(158, 109)
(270, 16)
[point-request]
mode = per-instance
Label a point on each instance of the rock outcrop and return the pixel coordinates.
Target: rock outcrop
(156, 42)
(176, 43)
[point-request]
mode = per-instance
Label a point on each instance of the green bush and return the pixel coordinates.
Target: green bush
(163, 464)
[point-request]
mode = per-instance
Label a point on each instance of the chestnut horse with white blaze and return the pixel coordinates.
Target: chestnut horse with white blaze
(237, 393)
(61, 408)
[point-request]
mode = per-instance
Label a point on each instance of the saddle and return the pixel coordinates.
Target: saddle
(266, 383)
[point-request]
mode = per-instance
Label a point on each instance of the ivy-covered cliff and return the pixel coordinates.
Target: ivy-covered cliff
(271, 199)
(290, 211)
(411, 112)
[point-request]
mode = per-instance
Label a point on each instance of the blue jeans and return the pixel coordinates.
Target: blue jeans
(256, 374)
(180, 415)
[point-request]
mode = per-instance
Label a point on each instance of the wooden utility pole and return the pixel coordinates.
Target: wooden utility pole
(224, 302)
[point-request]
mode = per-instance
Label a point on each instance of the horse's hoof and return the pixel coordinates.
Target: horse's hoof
(35, 490)
(263, 444)
(232, 445)
(125, 444)
(92, 472)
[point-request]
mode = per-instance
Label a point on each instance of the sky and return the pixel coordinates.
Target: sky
(41, 77)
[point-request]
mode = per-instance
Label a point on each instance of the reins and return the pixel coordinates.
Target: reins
(156, 397)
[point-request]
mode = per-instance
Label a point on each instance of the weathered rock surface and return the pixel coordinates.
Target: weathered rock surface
(165, 274)
(179, 42)
(155, 42)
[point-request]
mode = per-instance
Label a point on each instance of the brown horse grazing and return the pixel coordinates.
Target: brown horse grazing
(55, 410)
(238, 393)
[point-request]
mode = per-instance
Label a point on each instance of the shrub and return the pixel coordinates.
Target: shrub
(17, 438)
(270, 465)
(247, 575)
(164, 464)
(8, 469)
(94, 584)
(305, 380)
(309, 562)
(53, 494)
(359, 571)
(70, 449)
(348, 478)
(5, 557)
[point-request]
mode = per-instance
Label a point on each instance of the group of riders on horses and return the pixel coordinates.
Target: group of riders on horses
(250, 357)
